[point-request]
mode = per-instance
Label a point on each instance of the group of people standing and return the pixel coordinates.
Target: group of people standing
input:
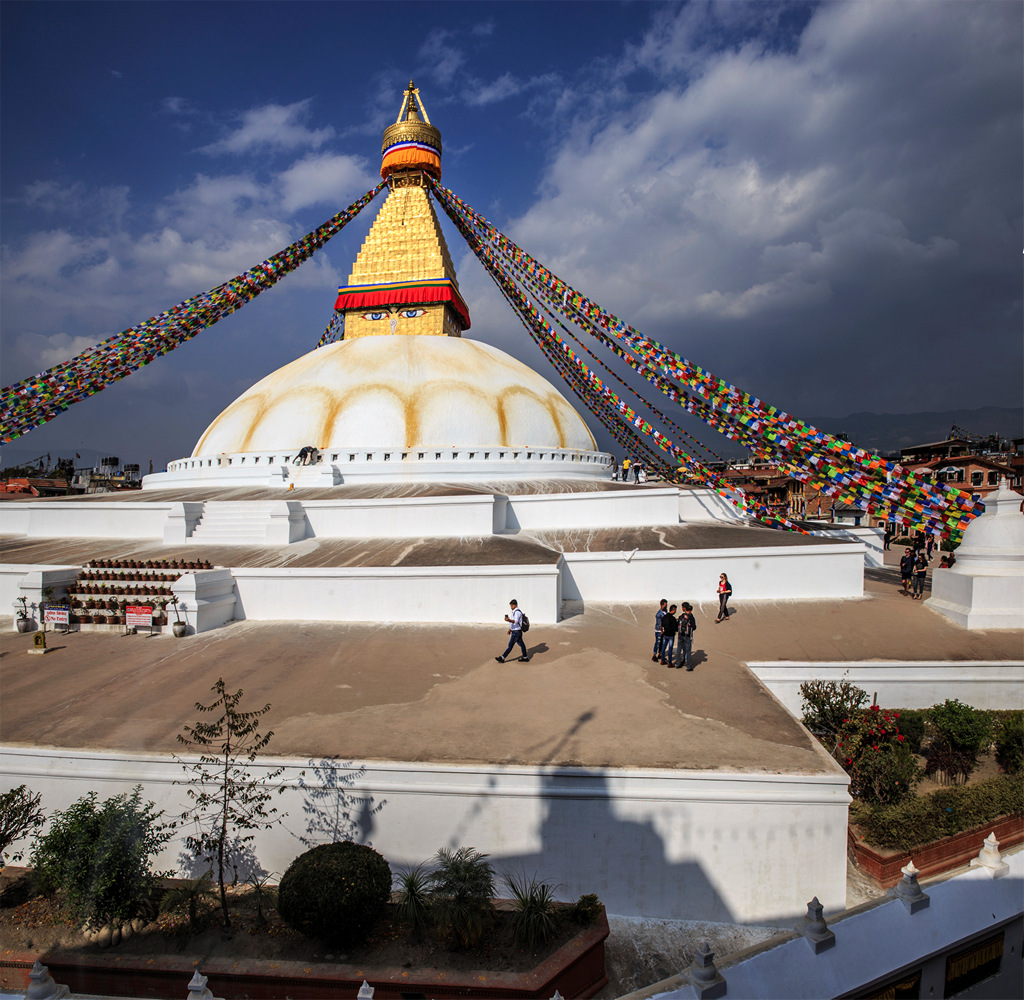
(914, 565)
(668, 625)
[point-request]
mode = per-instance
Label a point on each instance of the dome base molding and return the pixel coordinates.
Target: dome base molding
(376, 465)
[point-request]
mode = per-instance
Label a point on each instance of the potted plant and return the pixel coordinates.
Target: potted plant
(25, 624)
(179, 628)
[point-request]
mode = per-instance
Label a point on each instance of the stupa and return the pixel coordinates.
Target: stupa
(403, 395)
(446, 475)
(985, 586)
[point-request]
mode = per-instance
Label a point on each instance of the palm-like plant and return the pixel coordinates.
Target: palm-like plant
(535, 916)
(196, 898)
(461, 890)
(413, 902)
(262, 893)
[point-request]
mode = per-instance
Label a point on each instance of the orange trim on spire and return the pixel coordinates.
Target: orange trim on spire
(411, 159)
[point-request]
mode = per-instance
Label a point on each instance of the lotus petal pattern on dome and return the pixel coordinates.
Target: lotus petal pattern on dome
(401, 392)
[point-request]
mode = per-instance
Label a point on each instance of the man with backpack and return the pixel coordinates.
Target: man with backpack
(687, 626)
(517, 625)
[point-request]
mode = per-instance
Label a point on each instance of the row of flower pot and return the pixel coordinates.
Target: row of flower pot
(119, 602)
(148, 564)
(127, 575)
(91, 589)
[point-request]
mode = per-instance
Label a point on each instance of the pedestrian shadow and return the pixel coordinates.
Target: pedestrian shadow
(541, 647)
(697, 657)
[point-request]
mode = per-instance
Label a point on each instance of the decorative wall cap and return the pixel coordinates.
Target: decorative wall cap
(814, 928)
(908, 891)
(707, 982)
(990, 858)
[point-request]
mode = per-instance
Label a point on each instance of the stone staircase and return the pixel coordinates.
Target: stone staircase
(227, 523)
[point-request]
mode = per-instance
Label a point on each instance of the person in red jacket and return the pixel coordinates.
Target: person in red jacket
(724, 593)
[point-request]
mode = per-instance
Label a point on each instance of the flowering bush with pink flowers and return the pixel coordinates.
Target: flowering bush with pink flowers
(877, 757)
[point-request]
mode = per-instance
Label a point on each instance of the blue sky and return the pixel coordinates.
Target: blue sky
(821, 203)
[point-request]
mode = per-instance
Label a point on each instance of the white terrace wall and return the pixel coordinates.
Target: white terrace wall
(85, 519)
(554, 511)
(903, 684)
(406, 517)
(737, 847)
(700, 504)
(404, 593)
(770, 573)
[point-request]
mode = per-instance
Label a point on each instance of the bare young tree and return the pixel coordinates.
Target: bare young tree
(229, 801)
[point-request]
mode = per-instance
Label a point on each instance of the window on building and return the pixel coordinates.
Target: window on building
(976, 478)
(993, 478)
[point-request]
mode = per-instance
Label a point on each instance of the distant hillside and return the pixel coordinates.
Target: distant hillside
(893, 431)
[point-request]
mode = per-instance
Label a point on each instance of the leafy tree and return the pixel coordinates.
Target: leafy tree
(20, 816)
(961, 734)
(100, 856)
(228, 802)
(828, 704)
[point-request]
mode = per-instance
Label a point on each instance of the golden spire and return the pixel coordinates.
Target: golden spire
(412, 143)
(403, 281)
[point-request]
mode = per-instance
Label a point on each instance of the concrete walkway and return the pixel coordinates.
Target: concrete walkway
(590, 695)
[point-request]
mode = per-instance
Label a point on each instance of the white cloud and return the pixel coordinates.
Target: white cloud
(445, 59)
(324, 179)
(272, 126)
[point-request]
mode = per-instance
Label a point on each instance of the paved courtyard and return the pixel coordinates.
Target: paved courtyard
(589, 696)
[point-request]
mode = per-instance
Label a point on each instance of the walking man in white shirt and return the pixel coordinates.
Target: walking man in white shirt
(515, 634)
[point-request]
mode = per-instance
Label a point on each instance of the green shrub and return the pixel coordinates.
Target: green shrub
(586, 910)
(826, 705)
(20, 816)
(100, 856)
(960, 733)
(535, 913)
(335, 892)
(461, 891)
(946, 812)
(877, 757)
(913, 725)
(1010, 744)
(413, 898)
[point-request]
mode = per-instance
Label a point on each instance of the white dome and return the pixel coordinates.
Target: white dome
(398, 392)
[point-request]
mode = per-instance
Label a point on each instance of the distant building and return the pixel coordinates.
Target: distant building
(34, 487)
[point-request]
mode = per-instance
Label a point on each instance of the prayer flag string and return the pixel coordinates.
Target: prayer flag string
(832, 466)
(33, 401)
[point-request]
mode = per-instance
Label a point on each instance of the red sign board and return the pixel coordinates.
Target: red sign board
(56, 614)
(138, 614)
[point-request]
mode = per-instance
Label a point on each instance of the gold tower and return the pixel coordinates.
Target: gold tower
(403, 281)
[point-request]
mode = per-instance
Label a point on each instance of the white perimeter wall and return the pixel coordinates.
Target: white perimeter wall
(903, 684)
(85, 519)
(874, 943)
(676, 844)
(551, 511)
(408, 517)
(397, 593)
(775, 573)
(696, 505)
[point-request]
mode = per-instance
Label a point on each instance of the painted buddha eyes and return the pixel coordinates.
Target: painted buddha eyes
(383, 314)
